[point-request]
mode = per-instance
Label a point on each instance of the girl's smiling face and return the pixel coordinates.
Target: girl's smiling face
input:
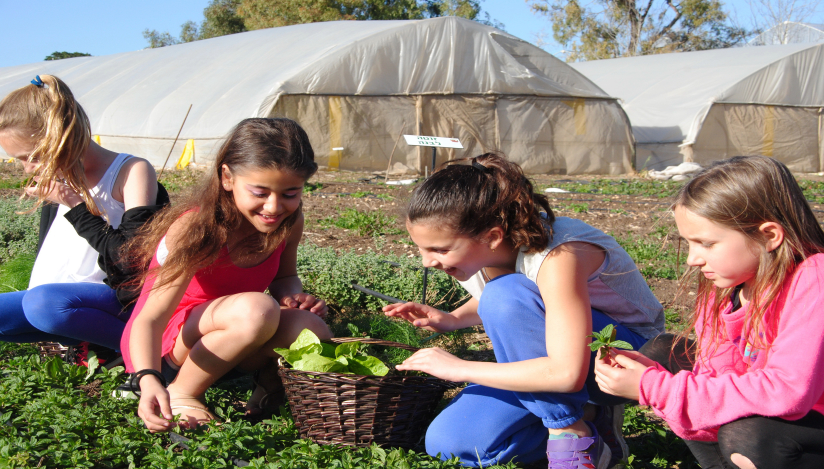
(265, 197)
(458, 256)
(725, 256)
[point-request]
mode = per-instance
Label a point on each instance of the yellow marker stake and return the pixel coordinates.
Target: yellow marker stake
(187, 155)
(335, 124)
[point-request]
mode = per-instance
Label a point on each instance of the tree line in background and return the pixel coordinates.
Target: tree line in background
(589, 29)
(222, 17)
(605, 29)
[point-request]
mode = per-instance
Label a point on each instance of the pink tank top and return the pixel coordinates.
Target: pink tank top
(222, 278)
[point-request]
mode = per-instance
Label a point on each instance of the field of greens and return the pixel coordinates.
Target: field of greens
(58, 415)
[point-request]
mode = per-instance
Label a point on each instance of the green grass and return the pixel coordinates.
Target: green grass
(651, 445)
(362, 194)
(329, 274)
(57, 415)
(637, 187)
(178, 180)
(371, 223)
(577, 208)
(18, 233)
(813, 190)
(15, 274)
(655, 255)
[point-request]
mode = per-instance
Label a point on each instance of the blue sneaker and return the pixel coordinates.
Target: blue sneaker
(574, 452)
(609, 420)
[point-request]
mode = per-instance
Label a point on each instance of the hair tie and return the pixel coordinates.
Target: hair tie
(39, 83)
(483, 168)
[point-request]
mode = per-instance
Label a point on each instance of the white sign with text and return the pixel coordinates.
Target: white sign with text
(423, 141)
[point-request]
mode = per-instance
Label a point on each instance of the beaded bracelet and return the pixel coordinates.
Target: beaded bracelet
(134, 381)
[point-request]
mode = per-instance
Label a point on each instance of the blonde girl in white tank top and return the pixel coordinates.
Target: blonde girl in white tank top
(45, 128)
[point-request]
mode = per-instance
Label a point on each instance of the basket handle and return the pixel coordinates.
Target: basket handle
(371, 341)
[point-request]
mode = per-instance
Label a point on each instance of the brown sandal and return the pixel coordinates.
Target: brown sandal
(185, 421)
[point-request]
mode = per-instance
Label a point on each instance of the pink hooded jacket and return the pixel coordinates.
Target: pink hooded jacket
(732, 380)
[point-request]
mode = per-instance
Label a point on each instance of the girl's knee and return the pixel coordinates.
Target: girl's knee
(293, 321)
(443, 439)
(749, 438)
(510, 296)
(44, 310)
(254, 314)
(317, 325)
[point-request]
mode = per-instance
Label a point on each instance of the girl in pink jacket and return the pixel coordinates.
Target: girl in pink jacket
(753, 396)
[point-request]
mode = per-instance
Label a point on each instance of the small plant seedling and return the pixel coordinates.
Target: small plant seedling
(604, 340)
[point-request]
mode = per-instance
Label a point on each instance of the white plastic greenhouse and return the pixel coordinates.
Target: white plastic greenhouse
(356, 86)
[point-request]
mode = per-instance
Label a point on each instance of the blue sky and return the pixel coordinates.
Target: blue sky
(34, 29)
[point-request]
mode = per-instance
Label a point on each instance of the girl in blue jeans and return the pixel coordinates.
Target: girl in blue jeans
(102, 197)
(540, 285)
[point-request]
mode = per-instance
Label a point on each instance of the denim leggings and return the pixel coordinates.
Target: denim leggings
(68, 313)
(483, 426)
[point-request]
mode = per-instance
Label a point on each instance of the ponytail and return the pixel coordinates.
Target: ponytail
(46, 113)
(489, 191)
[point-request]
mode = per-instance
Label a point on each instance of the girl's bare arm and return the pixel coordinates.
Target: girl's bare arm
(562, 281)
(287, 288)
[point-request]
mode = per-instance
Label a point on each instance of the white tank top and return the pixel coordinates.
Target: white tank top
(65, 257)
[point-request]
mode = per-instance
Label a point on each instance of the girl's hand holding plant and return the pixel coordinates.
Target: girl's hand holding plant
(423, 316)
(620, 372)
(306, 302)
(436, 362)
(154, 407)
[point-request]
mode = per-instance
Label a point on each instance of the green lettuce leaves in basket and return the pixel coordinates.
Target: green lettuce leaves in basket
(307, 353)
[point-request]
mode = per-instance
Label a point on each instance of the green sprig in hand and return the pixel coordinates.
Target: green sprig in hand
(604, 340)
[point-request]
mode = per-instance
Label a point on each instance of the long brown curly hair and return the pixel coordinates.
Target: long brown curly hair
(258, 143)
(52, 118)
(490, 191)
(741, 194)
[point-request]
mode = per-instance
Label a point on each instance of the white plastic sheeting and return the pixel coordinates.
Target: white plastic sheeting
(716, 104)
(356, 86)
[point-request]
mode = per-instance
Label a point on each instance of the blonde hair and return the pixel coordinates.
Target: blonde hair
(741, 194)
(51, 117)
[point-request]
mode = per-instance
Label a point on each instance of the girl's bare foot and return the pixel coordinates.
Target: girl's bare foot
(191, 410)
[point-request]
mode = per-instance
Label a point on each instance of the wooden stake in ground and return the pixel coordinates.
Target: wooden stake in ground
(173, 143)
(403, 126)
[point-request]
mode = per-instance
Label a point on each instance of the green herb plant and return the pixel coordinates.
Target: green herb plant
(307, 353)
(604, 340)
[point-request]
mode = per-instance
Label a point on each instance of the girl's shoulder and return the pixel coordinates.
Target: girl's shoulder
(809, 271)
(137, 180)
(180, 227)
(816, 261)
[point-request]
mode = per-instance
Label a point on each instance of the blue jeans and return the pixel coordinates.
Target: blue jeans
(483, 426)
(68, 313)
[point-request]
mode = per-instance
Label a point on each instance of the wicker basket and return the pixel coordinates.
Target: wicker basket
(352, 410)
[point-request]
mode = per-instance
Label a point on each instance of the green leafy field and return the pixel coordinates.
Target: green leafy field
(56, 415)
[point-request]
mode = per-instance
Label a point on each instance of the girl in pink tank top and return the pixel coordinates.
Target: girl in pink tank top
(202, 308)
